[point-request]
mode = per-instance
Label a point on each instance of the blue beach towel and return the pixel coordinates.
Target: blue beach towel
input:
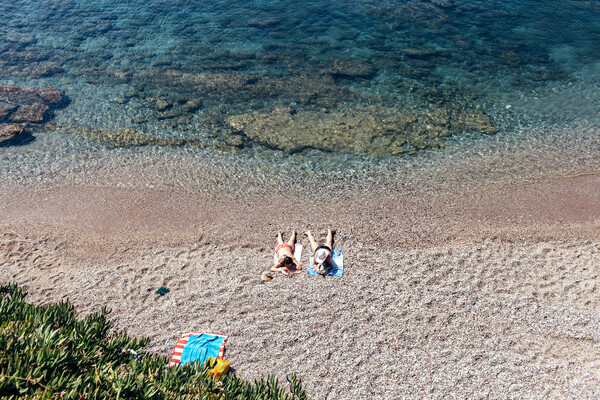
(338, 264)
(201, 347)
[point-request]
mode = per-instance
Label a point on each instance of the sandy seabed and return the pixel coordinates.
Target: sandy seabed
(489, 293)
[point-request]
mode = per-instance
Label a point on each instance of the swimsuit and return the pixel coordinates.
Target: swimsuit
(281, 246)
(323, 247)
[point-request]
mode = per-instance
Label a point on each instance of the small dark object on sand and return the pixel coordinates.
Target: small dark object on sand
(162, 290)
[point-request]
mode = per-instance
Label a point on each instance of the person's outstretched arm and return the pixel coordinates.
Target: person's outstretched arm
(276, 267)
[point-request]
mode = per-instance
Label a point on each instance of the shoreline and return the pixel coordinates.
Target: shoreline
(444, 294)
(567, 204)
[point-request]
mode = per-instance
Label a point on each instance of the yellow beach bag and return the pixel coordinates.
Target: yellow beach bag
(220, 367)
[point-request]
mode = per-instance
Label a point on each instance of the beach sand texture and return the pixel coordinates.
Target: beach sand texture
(489, 294)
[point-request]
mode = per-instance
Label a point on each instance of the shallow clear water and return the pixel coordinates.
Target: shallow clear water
(326, 87)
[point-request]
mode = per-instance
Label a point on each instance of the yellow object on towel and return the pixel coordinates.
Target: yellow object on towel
(221, 367)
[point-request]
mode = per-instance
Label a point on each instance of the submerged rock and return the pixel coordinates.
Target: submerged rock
(473, 121)
(192, 106)
(168, 114)
(366, 131)
(24, 105)
(119, 100)
(7, 109)
(9, 131)
(158, 103)
(42, 69)
(127, 137)
(238, 108)
(30, 113)
(236, 88)
(350, 68)
(21, 108)
(140, 119)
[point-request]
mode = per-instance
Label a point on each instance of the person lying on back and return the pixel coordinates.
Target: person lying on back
(322, 262)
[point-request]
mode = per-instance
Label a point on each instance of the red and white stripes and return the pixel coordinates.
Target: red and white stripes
(176, 357)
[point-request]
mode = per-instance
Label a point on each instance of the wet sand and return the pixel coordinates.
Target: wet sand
(482, 293)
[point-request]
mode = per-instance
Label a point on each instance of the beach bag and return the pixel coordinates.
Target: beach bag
(219, 367)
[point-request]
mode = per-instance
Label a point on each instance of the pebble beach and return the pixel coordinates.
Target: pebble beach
(491, 295)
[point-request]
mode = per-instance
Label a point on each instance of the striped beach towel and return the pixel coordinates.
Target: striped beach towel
(338, 264)
(194, 346)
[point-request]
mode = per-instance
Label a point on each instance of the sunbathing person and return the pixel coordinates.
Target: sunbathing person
(322, 262)
(285, 255)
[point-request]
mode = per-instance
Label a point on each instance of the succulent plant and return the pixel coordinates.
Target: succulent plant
(46, 352)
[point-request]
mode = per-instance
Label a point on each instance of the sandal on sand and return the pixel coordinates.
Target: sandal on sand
(267, 276)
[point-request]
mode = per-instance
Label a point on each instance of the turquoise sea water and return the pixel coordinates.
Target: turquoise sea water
(328, 87)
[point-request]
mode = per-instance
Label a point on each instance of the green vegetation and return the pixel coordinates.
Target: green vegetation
(46, 353)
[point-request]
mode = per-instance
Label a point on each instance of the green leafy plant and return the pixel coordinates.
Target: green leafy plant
(47, 353)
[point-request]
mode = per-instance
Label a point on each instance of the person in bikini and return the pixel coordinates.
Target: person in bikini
(285, 255)
(322, 261)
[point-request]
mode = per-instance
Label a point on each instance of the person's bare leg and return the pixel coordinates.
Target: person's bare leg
(329, 241)
(292, 239)
(311, 239)
(279, 238)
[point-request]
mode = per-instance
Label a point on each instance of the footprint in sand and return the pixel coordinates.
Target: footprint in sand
(56, 278)
(140, 274)
(179, 254)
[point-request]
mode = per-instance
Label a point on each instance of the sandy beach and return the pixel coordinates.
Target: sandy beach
(484, 293)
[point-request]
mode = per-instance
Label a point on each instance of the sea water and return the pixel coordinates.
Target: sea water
(238, 93)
